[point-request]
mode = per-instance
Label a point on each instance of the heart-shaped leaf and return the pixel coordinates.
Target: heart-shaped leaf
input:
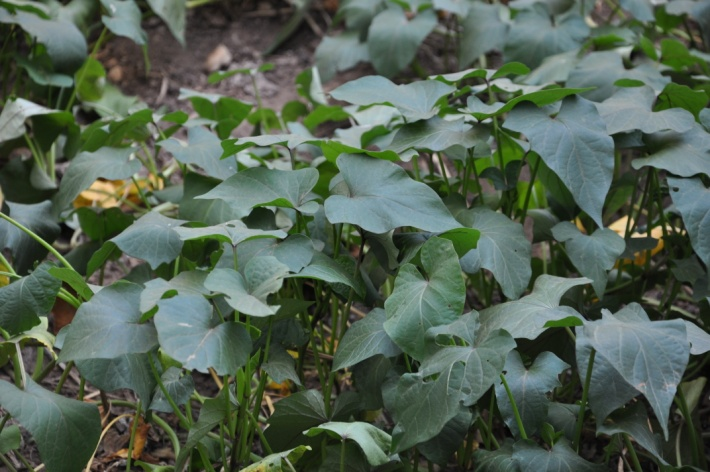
(209, 212)
(203, 149)
(379, 196)
(187, 282)
(152, 238)
(575, 145)
(268, 187)
(502, 248)
(364, 339)
(683, 154)
(633, 420)
(231, 232)
(374, 442)
(124, 19)
(483, 29)
(39, 219)
(293, 415)
(593, 255)
(278, 462)
(25, 300)
(190, 332)
(328, 270)
(692, 199)
(173, 14)
(108, 326)
(418, 303)
(125, 371)
(178, 386)
(437, 134)
(528, 456)
(66, 431)
(529, 388)
(416, 101)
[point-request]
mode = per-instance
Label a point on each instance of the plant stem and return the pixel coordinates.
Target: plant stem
(184, 421)
(632, 453)
(132, 440)
(516, 413)
(34, 236)
(583, 405)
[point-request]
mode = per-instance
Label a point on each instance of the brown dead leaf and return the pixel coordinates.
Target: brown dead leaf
(138, 443)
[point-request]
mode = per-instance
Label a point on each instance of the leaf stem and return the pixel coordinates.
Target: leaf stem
(516, 413)
(632, 453)
(184, 421)
(37, 238)
(132, 440)
(583, 404)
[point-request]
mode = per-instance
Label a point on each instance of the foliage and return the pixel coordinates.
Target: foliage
(507, 261)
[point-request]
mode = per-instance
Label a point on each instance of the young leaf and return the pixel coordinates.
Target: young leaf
(529, 456)
(152, 238)
(108, 326)
(692, 199)
(10, 438)
(630, 108)
(191, 333)
(416, 101)
(666, 146)
(575, 145)
(66, 431)
(268, 187)
(593, 255)
(526, 318)
(296, 251)
(374, 442)
(364, 339)
(502, 248)
(418, 303)
(651, 356)
(25, 300)
(393, 39)
(379, 196)
(529, 388)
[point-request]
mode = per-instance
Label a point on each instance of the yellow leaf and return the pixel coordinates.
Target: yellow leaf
(619, 227)
(102, 193)
(4, 279)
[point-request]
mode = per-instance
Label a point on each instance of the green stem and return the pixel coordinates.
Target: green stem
(697, 446)
(632, 453)
(184, 421)
(528, 193)
(169, 432)
(132, 440)
(41, 241)
(342, 455)
(516, 413)
(583, 405)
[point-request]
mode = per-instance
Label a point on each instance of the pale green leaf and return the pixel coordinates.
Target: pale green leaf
(130, 371)
(172, 12)
(364, 339)
(231, 232)
(485, 28)
(437, 134)
(278, 462)
(338, 53)
(209, 212)
(374, 442)
(692, 199)
(152, 238)
(683, 154)
(186, 282)
(203, 149)
(123, 18)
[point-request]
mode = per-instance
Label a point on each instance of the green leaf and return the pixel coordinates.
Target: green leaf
(100, 224)
(416, 101)
(499, 460)
(338, 53)
(379, 196)
(296, 252)
(124, 19)
(502, 248)
(393, 38)
(374, 442)
(65, 44)
(278, 462)
(422, 409)
(630, 109)
(268, 187)
(529, 388)
(191, 333)
(682, 96)
(441, 447)
(593, 255)
(14, 115)
(108, 326)
(66, 431)
(530, 457)
(281, 366)
(130, 371)
(264, 275)
(575, 145)
(209, 212)
(650, 356)
(293, 415)
(633, 420)
(203, 149)
(173, 14)
(25, 300)
(526, 318)
(641, 10)
(25, 250)
(186, 282)
(213, 412)
(692, 199)
(683, 154)
(535, 35)
(364, 339)
(483, 357)
(231, 232)
(437, 134)
(10, 438)
(152, 238)
(86, 167)
(484, 28)
(418, 303)
(322, 267)
(179, 387)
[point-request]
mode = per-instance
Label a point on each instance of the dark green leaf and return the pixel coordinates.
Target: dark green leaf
(437, 134)
(692, 199)
(179, 387)
(575, 145)
(152, 238)
(328, 270)
(209, 212)
(418, 303)
(682, 96)
(532, 458)
(124, 371)
(374, 442)
(203, 149)
(190, 332)
(213, 412)
(173, 14)
(500, 460)
(441, 447)
(529, 388)
(393, 38)
(100, 224)
(293, 415)
(593, 255)
(10, 438)
(416, 101)
(108, 326)
(124, 19)
(633, 420)
(379, 196)
(364, 339)
(25, 300)
(296, 251)
(281, 366)
(683, 154)
(25, 250)
(502, 248)
(66, 431)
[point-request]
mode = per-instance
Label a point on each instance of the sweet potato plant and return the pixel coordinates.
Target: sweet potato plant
(496, 269)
